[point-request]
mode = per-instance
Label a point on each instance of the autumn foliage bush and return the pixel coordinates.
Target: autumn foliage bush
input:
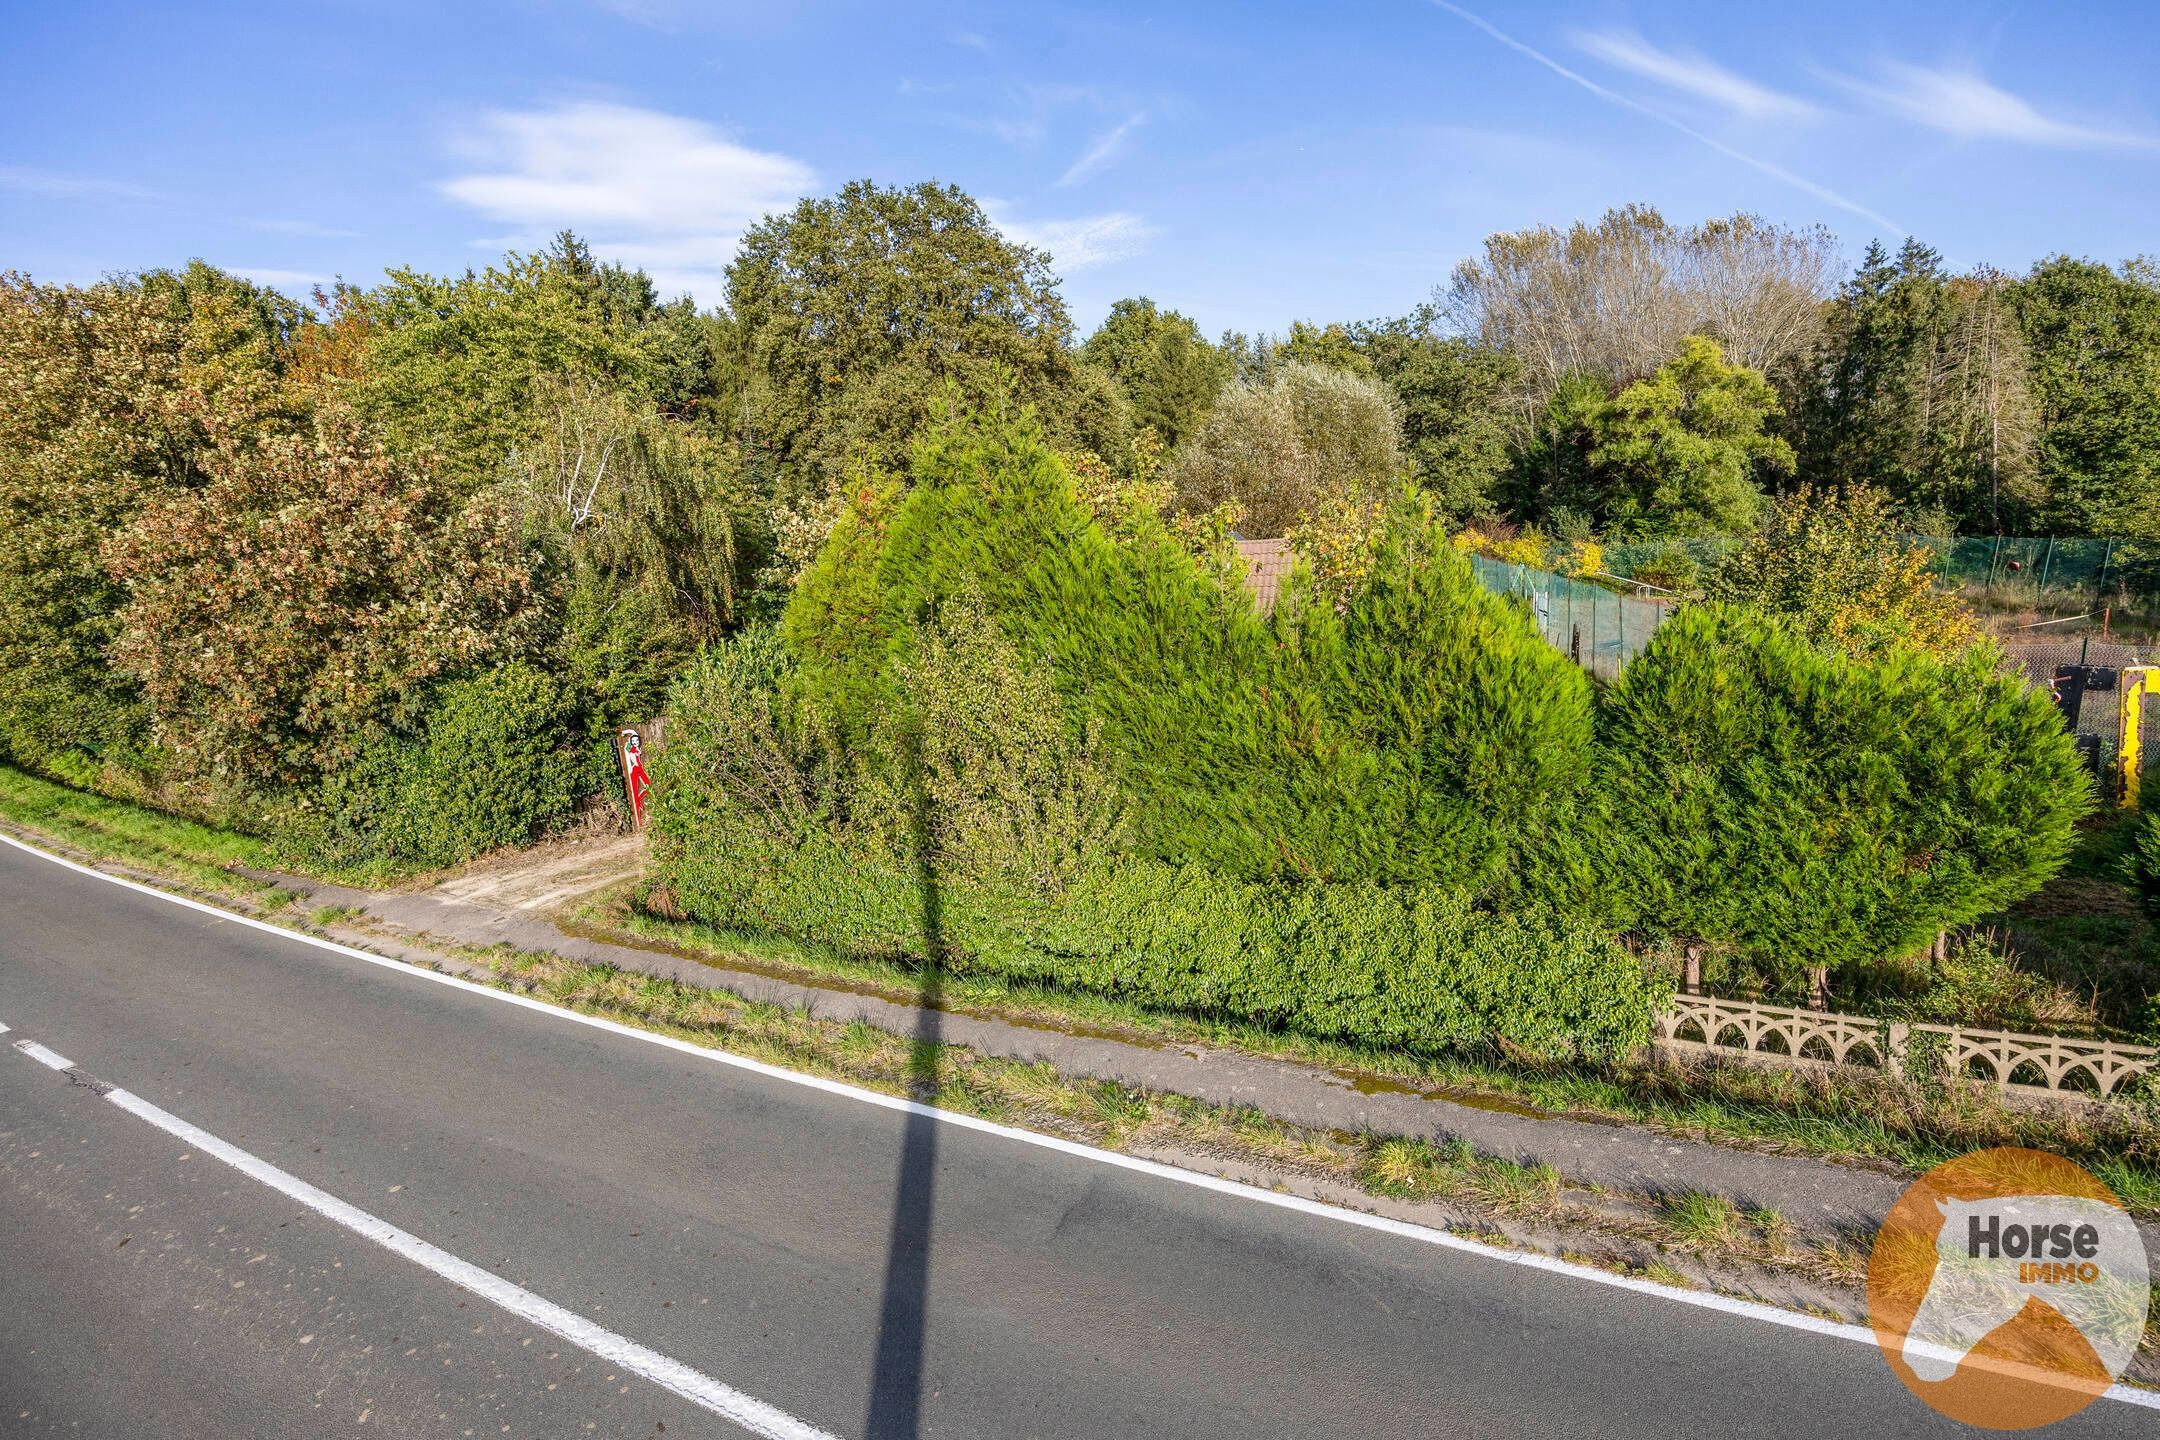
(305, 594)
(107, 395)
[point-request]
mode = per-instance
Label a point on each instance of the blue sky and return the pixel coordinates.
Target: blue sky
(1249, 164)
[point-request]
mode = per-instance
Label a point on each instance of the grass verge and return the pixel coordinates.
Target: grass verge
(203, 857)
(1851, 1116)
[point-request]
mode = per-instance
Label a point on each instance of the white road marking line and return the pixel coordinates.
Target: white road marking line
(1704, 1300)
(44, 1056)
(747, 1411)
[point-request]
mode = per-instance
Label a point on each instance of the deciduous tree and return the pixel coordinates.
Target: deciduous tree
(304, 595)
(1169, 372)
(851, 314)
(108, 398)
(1677, 453)
(1614, 299)
(1305, 437)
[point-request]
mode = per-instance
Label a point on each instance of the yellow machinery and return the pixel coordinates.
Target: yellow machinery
(2137, 682)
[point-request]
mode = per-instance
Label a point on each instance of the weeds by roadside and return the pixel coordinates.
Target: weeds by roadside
(204, 857)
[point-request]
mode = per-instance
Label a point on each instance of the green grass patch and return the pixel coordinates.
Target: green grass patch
(201, 856)
(1705, 1220)
(2086, 933)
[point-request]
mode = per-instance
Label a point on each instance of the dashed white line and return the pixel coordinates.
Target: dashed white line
(43, 1056)
(670, 1374)
(1700, 1299)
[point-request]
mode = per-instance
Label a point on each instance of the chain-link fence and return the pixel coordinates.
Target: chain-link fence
(1601, 630)
(2099, 706)
(2039, 573)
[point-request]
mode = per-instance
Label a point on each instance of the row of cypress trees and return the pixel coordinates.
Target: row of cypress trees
(1006, 727)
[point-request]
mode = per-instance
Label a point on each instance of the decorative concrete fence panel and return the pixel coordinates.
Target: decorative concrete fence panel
(2021, 1066)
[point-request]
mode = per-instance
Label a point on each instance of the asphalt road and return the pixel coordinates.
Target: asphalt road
(866, 1271)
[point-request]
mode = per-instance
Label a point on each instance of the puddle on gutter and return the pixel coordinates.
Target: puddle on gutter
(1369, 1084)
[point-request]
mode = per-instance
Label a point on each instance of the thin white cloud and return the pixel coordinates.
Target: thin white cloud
(1964, 104)
(56, 185)
(1080, 242)
(969, 40)
(665, 191)
(1612, 97)
(1029, 110)
(1102, 150)
(1690, 74)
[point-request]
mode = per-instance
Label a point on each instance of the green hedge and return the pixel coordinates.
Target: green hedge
(1422, 733)
(493, 768)
(1418, 968)
(763, 822)
(994, 732)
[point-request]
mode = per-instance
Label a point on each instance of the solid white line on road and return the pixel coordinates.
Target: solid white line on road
(1705, 1300)
(698, 1388)
(43, 1056)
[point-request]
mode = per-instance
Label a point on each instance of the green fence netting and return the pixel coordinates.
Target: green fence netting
(1601, 630)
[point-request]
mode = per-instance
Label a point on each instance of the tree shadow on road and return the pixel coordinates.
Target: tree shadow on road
(897, 1380)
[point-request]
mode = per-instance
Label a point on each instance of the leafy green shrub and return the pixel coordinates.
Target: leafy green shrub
(492, 769)
(1977, 983)
(1813, 810)
(1286, 445)
(1670, 566)
(1833, 564)
(496, 768)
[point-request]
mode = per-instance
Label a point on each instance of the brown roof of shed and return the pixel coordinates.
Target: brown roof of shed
(1267, 565)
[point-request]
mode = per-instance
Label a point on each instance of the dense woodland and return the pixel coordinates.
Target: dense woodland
(937, 595)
